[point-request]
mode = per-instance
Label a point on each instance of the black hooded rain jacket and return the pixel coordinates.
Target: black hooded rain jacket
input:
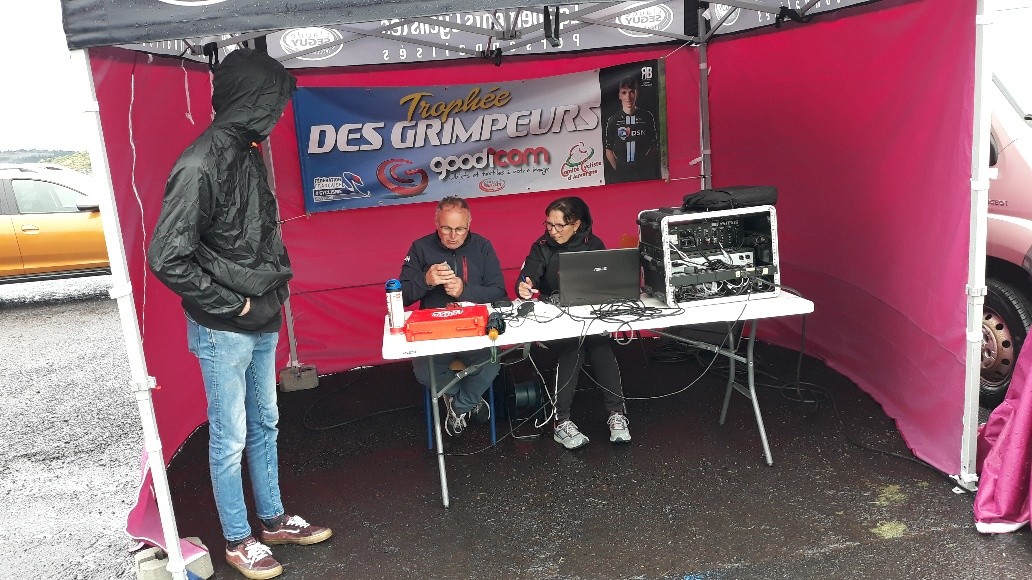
(217, 241)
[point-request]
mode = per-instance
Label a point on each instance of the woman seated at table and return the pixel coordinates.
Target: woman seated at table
(568, 229)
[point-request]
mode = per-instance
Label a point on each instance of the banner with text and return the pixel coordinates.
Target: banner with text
(378, 146)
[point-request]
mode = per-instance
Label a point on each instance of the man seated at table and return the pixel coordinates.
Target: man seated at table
(455, 265)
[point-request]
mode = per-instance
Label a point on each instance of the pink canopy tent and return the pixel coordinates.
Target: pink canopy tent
(862, 118)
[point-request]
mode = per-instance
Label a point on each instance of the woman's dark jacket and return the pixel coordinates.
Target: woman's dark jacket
(542, 263)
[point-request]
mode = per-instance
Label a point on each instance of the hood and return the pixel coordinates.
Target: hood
(250, 90)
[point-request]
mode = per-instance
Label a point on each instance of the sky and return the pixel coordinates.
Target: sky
(44, 111)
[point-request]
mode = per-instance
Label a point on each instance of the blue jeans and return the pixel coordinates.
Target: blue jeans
(471, 388)
(240, 384)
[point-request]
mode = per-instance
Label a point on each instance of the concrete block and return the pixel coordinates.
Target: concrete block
(201, 567)
(151, 563)
(300, 377)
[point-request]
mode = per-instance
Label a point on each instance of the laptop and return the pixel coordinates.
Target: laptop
(595, 276)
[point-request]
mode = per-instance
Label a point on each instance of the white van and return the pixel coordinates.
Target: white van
(1008, 304)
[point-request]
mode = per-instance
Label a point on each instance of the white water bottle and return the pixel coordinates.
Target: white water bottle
(395, 308)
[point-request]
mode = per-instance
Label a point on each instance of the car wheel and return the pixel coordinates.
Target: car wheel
(1005, 322)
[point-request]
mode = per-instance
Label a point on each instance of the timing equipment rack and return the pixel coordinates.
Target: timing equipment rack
(691, 258)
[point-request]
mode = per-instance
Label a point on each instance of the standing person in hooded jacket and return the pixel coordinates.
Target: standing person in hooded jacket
(568, 229)
(218, 246)
(454, 264)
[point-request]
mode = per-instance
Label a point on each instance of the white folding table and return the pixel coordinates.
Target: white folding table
(549, 323)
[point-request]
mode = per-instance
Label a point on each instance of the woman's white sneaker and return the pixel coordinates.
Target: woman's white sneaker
(567, 435)
(619, 430)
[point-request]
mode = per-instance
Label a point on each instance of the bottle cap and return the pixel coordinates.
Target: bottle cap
(393, 285)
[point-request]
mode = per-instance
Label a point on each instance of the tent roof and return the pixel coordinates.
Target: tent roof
(90, 23)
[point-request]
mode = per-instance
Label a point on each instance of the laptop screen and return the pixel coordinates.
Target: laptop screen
(595, 276)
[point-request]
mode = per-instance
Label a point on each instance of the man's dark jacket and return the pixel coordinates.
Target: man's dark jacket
(217, 241)
(474, 261)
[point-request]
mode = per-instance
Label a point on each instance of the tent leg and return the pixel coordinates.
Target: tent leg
(976, 290)
(706, 173)
(295, 376)
(121, 291)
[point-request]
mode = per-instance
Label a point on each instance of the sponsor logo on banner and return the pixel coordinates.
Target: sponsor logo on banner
(191, 2)
(646, 76)
(445, 313)
(424, 142)
(404, 184)
(658, 17)
(347, 186)
(492, 185)
(579, 163)
(528, 159)
(718, 11)
(300, 39)
(624, 133)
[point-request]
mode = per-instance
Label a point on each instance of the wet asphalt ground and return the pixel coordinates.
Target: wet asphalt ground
(688, 498)
(70, 451)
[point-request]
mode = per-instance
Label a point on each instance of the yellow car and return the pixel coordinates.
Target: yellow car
(49, 228)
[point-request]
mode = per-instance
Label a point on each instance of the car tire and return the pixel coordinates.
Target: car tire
(1006, 316)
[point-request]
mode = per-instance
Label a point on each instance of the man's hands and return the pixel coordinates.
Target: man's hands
(439, 274)
(442, 275)
(454, 287)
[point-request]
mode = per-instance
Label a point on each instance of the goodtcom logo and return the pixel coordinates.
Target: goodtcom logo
(445, 313)
(490, 158)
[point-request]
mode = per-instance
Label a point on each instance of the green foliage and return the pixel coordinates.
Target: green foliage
(79, 161)
(30, 155)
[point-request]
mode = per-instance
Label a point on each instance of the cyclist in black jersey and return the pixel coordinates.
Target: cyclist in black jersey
(630, 139)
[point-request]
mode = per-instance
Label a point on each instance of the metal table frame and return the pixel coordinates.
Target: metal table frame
(733, 385)
(522, 336)
(436, 394)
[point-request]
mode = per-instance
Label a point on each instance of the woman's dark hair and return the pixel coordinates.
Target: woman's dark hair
(573, 209)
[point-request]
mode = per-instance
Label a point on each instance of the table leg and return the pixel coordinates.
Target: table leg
(437, 431)
(731, 372)
(750, 368)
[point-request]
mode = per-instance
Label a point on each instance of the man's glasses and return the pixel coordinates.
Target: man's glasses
(459, 231)
(549, 226)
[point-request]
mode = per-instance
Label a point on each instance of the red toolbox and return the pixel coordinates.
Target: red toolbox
(431, 323)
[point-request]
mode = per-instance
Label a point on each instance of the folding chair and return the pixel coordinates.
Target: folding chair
(457, 366)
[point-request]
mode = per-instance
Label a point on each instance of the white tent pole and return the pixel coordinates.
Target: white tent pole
(704, 117)
(980, 175)
(121, 291)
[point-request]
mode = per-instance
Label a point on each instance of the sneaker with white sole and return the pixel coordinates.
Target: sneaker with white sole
(569, 436)
(454, 423)
(295, 530)
(253, 559)
(619, 431)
